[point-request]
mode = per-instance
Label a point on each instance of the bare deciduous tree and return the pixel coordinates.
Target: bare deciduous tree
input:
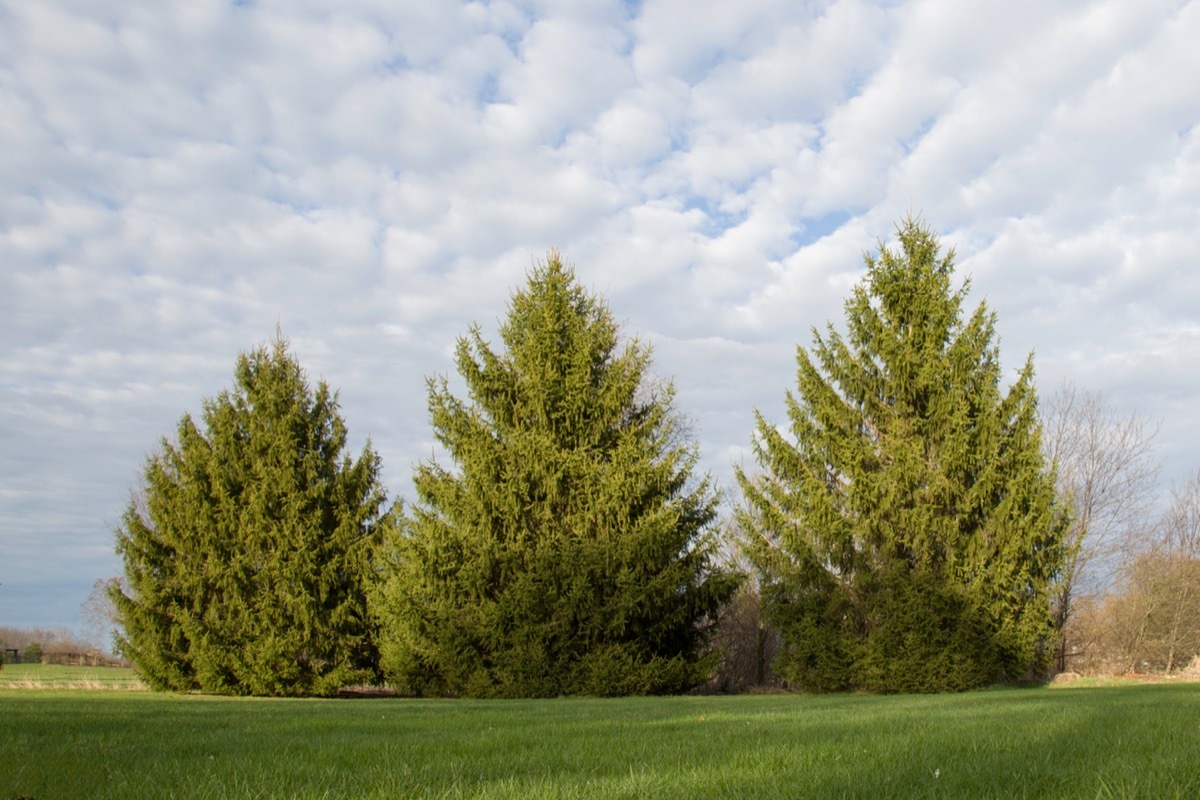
(747, 644)
(1151, 622)
(1180, 548)
(1108, 472)
(101, 621)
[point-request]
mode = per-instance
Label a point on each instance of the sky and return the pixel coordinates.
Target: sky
(177, 179)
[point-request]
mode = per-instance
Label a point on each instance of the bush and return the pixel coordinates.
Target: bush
(33, 654)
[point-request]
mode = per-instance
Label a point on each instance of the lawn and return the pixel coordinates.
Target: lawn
(1124, 741)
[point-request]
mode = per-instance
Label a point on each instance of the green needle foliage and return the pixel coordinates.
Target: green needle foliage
(570, 551)
(907, 532)
(248, 550)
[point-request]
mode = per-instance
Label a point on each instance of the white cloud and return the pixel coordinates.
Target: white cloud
(676, 38)
(810, 64)
(375, 176)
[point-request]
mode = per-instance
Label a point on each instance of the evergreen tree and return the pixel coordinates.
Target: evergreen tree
(570, 551)
(248, 551)
(907, 532)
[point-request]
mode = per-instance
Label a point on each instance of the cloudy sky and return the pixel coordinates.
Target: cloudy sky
(179, 177)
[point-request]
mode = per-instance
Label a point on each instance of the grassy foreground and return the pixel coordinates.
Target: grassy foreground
(1129, 741)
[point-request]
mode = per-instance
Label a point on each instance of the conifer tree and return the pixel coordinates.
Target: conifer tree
(569, 550)
(907, 531)
(248, 550)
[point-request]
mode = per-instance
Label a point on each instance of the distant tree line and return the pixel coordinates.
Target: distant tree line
(32, 644)
(907, 530)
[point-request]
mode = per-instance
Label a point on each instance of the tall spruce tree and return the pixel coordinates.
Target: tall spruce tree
(570, 550)
(907, 531)
(248, 551)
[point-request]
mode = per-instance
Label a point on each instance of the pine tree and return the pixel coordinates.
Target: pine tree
(248, 551)
(907, 532)
(570, 550)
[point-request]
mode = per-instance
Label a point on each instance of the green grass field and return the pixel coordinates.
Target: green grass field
(1124, 741)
